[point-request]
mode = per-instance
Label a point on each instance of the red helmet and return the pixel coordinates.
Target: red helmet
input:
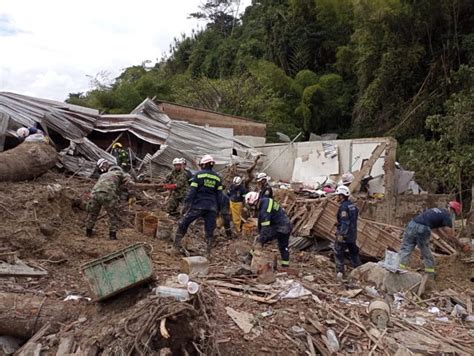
(456, 206)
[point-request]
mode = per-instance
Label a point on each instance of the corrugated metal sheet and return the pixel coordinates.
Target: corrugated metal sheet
(70, 121)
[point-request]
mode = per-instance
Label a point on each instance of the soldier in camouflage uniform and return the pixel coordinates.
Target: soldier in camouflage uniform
(106, 193)
(179, 180)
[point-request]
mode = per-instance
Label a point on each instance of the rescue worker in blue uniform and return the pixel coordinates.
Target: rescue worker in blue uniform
(273, 223)
(204, 200)
(418, 232)
(264, 188)
(346, 231)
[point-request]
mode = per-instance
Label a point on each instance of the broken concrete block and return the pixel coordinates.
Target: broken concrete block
(195, 266)
(385, 280)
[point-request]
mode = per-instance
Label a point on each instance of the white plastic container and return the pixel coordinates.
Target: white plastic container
(392, 260)
(183, 279)
(193, 287)
(178, 293)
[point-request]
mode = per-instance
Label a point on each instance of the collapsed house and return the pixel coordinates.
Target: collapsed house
(83, 135)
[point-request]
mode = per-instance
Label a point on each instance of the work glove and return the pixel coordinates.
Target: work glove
(169, 186)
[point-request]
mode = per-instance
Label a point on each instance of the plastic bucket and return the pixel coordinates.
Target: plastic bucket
(150, 224)
(139, 220)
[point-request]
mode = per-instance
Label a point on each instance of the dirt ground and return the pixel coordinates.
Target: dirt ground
(43, 220)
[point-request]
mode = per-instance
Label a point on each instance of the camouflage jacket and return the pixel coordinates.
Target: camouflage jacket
(111, 182)
(181, 180)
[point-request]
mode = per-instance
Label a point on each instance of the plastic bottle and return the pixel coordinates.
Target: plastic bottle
(177, 293)
(183, 279)
(333, 343)
(193, 287)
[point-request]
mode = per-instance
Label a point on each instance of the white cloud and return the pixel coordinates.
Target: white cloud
(49, 47)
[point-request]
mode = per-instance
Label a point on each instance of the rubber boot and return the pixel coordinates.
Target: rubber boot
(113, 235)
(210, 242)
(229, 234)
(178, 249)
(89, 232)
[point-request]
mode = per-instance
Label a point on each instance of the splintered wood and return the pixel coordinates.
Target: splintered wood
(317, 218)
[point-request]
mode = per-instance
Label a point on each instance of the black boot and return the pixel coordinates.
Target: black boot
(229, 234)
(210, 242)
(89, 232)
(113, 235)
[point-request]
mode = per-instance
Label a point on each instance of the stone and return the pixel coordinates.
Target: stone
(385, 280)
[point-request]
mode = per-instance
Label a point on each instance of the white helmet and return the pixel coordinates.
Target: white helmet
(251, 198)
(101, 162)
(23, 132)
(206, 159)
(183, 160)
(237, 180)
(347, 178)
(177, 161)
(262, 176)
(342, 189)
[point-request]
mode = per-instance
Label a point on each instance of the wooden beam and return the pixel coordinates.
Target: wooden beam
(367, 167)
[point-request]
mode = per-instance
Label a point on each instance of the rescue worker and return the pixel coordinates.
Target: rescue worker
(346, 231)
(106, 194)
(236, 195)
(225, 213)
(204, 200)
(273, 223)
(103, 165)
(265, 190)
(346, 179)
(189, 174)
(121, 155)
(178, 184)
(418, 232)
(24, 132)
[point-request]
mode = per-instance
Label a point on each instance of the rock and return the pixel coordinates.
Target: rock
(267, 277)
(385, 280)
(47, 229)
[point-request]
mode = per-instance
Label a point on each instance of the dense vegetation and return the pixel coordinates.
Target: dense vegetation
(403, 68)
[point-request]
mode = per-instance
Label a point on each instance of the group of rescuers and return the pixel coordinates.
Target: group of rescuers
(203, 195)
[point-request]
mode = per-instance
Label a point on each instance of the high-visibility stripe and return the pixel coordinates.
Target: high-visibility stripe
(429, 270)
(270, 206)
(220, 188)
(402, 266)
(265, 223)
(194, 184)
(285, 263)
(209, 175)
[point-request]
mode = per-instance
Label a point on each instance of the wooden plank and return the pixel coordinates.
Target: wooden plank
(366, 168)
(4, 119)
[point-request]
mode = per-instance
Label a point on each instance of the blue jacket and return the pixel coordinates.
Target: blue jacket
(225, 207)
(205, 191)
(434, 218)
(237, 193)
(271, 219)
(265, 192)
(189, 175)
(347, 216)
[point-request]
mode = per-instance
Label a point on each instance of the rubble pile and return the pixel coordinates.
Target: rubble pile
(237, 311)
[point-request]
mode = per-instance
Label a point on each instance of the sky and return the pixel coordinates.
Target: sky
(50, 48)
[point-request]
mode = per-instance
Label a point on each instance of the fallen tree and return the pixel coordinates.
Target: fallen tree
(22, 315)
(26, 161)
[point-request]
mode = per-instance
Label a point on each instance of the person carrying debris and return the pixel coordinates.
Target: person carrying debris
(106, 194)
(236, 195)
(178, 184)
(189, 174)
(273, 223)
(346, 231)
(121, 155)
(418, 232)
(265, 190)
(204, 200)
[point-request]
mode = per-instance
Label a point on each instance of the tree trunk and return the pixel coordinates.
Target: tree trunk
(22, 315)
(26, 161)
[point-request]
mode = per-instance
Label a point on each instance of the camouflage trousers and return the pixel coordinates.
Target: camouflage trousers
(174, 203)
(110, 202)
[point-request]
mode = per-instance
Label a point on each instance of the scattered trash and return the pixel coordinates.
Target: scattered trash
(391, 261)
(178, 293)
(297, 330)
(433, 310)
(195, 266)
(292, 290)
(418, 320)
(193, 287)
(266, 313)
(331, 341)
(443, 319)
(243, 319)
(379, 313)
(76, 297)
(459, 312)
(18, 268)
(183, 279)
(372, 291)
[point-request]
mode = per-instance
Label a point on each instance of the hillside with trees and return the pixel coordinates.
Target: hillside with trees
(358, 68)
